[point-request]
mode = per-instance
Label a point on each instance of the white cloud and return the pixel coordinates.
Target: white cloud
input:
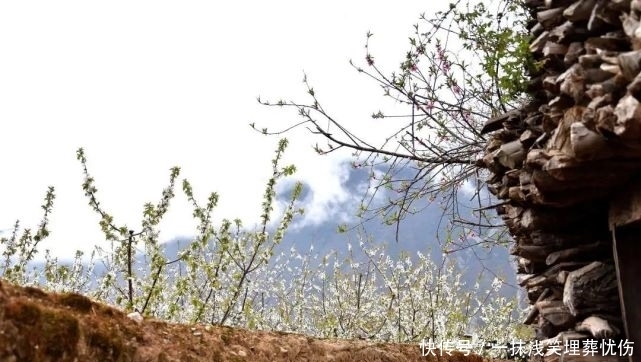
(330, 200)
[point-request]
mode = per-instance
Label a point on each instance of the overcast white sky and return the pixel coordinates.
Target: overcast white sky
(146, 85)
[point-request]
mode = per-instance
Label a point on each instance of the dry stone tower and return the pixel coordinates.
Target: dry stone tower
(568, 167)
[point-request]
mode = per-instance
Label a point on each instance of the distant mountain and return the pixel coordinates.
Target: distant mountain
(418, 232)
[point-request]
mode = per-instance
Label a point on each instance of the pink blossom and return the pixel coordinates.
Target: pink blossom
(369, 59)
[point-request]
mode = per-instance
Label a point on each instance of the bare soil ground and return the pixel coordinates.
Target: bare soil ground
(36, 326)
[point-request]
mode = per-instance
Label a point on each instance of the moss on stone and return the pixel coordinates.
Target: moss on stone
(60, 333)
(108, 343)
(226, 336)
(76, 301)
(24, 312)
(35, 293)
(47, 334)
